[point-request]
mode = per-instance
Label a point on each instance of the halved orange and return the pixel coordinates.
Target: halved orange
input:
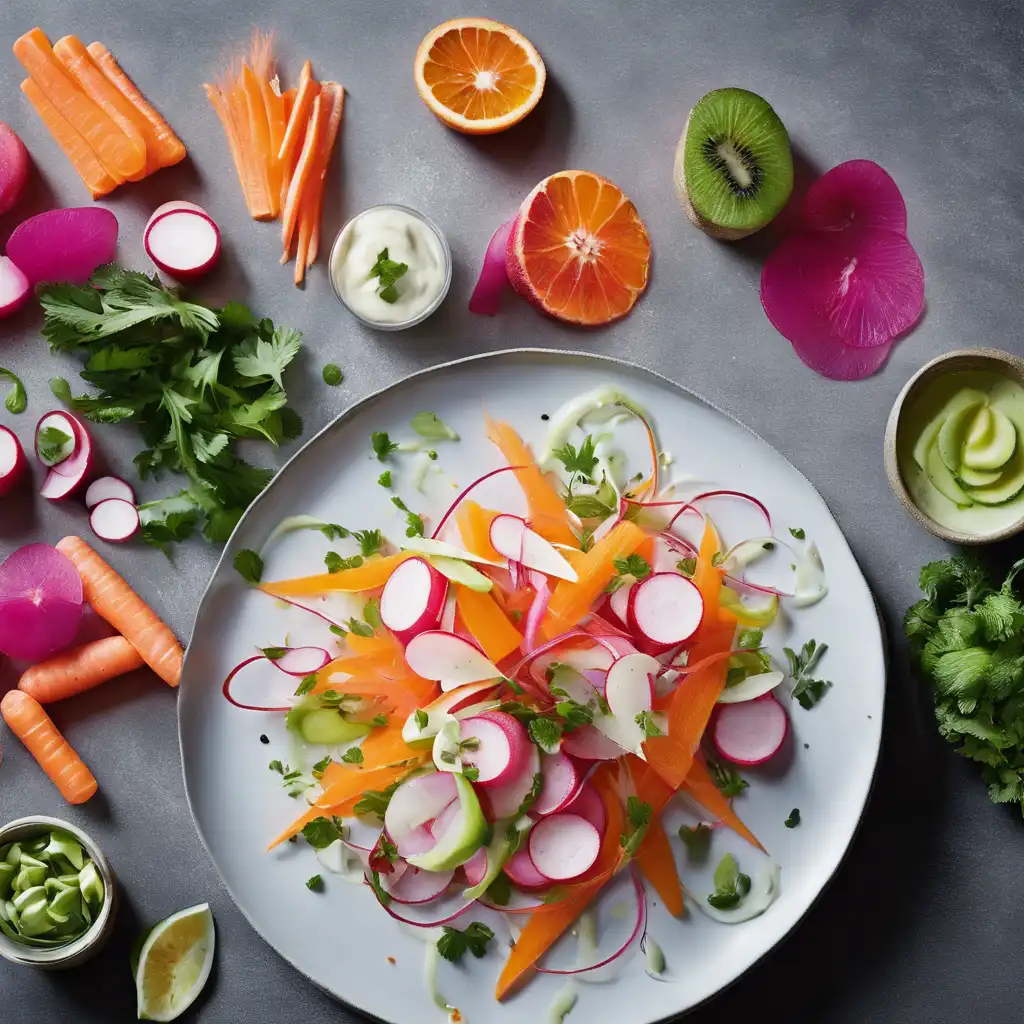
(479, 76)
(578, 249)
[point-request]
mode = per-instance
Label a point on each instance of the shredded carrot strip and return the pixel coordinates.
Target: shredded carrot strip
(487, 623)
(295, 130)
(313, 195)
(266, 205)
(655, 858)
(310, 145)
(367, 576)
(701, 787)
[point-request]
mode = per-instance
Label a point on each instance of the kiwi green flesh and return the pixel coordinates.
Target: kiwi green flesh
(737, 162)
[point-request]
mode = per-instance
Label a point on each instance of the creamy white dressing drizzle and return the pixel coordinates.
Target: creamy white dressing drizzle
(764, 891)
(563, 1002)
(655, 958)
(613, 403)
(811, 586)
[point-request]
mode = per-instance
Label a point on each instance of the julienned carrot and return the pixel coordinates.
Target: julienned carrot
(475, 527)
(288, 102)
(310, 146)
(31, 724)
(95, 176)
(221, 103)
(487, 623)
(701, 787)
(267, 205)
(313, 195)
(655, 857)
(79, 669)
(277, 121)
(112, 599)
(118, 154)
(367, 576)
(75, 58)
(168, 148)
(295, 130)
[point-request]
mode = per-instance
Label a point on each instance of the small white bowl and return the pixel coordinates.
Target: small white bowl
(57, 958)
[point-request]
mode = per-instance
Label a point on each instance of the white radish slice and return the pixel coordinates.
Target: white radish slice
(67, 477)
(419, 840)
(505, 801)
(665, 609)
(523, 872)
(500, 747)
(751, 688)
(590, 744)
(629, 690)
(416, 803)
(588, 804)
(476, 867)
(15, 287)
(114, 520)
(12, 461)
(752, 732)
(444, 820)
(105, 487)
(415, 886)
(619, 603)
(56, 439)
(564, 846)
(302, 661)
(413, 599)
(448, 659)
(560, 784)
(182, 239)
(447, 622)
(511, 537)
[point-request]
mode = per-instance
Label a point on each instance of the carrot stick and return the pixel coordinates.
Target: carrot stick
(277, 121)
(475, 528)
(118, 154)
(701, 787)
(95, 176)
(167, 147)
(487, 623)
(268, 205)
(305, 232)
(75, 57)
(368, 576)
(31, 724)
(655, 858)
(310, 145)
(313, 195)
(219, 101)
(295, 130)
(288, 97)
(112, 598)
(79, 669)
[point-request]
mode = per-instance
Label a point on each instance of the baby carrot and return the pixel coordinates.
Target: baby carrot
(112, 598)
(31, 724)
(79, 669)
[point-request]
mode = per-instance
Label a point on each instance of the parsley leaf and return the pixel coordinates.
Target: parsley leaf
(320, 767)
(375, 801)
(430, 426)
(359, 628)
(794, 818)
(414, 524)
(797, 532)
(387, 272)
(726, 778)
(807, 691)
(352, 756)
(588, 506)
(370, 541)
(315, 884)
(639, 814)
(628, 570)
(385, 478)
(383, 446)
(646, 722)
(454, 943)
(320, 832)
(16, 400)
(249, 566)
(580, 462)
(332, 375)
(697, 840)
(335, 563)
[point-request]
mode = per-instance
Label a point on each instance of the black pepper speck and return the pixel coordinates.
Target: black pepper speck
(264, 738)
(544, 416)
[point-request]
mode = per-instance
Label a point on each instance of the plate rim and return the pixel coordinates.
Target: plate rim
(567, 354)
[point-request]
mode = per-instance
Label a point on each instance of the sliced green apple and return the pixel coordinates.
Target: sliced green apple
(466, 834)
(943, 480)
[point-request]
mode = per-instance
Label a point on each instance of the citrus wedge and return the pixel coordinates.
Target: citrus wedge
(578, 249)
(479, 76)
(174, 963)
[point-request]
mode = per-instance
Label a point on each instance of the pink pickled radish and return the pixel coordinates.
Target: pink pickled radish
(523, 872)
(751, 732)
(108, 487)
(564, 846)
(182, 239)
(114, 520)
(12, 461)
(64, 245)
(857, 193)
(501, 744)
(493, 280)
(413, 599)
(15, 287)
(14, 167)
(588, 804)
(40, 602)
(560, 783)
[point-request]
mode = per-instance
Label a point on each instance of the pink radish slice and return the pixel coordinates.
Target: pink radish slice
(416, 803)
(665, 609)
(114, 520)
(182, 239)
(523, 872)
(857, 193)
(475, 869)
(511, 537)
(588, 804)
(501, 747)
(14, 167)
(69, 476)
(12, 461)
(64, 245)
(564, 846)
(588, 744)
(413, 599)
(419, 840)
(448, 658)
(416, 886)
(302, 661)
(752, 732)
(443, 821)
(105, 487)
(618, 603)
(560, 783)
(535, 614)
(15, 287)
(56, 439)
(40, 603)
(448, 907)
(504, 801)
(493, 280)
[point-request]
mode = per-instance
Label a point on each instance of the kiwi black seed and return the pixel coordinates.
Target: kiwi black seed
(734, 167)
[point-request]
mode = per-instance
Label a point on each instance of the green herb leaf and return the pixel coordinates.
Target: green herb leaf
(359, 628)
(315, 884)
(352, 756)
(588, 506)
(383, 446)
(794, 818)
(628, 570)
(807, 691)
(385, 478)
(387, 272)
(382, 894)
(546, 733)
(454, 943)
(646, 722)
(414, 524)
(750, 638)
(370, 541)
(371, 612)
(726, 778)
(430, 426)
(320, 832)
(797, 532)
(320, 767)
(580, 462)
(422, 719)
(52, 442)
(638, 813)
(16, 400)
(697, 840)
(332, 375)
(375, 801)
(249, 566)
(335, 563)
(274, 653)
(687, 566)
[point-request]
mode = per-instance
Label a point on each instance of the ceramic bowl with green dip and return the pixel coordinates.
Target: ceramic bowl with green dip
(57, 894)
(954, 446)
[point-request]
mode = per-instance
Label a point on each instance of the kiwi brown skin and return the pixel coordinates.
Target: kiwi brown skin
(679, 179)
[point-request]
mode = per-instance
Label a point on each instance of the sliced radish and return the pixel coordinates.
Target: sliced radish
(559, 787)
(15, 287)
(523, 872)
(443, 821)
(511, 537)
(500, 747)
(588, 804)
(56, 439)
(419, 840)
(64, 245)
(665, 609)
(629, 690)
(751, 732)
(105, 487)
(475, 868)
(416, 886)
(448, 658)
(114, 520)
(182, 239)
(14, 167)
(12, 461)
(69, 476)
(413, 599)
(416, 803)
(751, 688)
(589, 744)
(505, 801)
(301, 661)
(564, 846)
(619, 603)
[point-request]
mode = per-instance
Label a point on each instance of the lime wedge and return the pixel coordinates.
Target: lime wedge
(174, 963)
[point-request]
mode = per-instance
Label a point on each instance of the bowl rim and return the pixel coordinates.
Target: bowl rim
(996, 359)
(445, 252)
(89, 941)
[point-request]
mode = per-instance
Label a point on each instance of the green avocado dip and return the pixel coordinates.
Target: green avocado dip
(50, 891)
(960, 450)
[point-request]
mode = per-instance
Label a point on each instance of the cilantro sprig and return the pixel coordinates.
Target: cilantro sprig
(454, 943)
(387, 272)
(726, 778)
(807, 691)
(628, 570)
(731, 885)
(638, 814)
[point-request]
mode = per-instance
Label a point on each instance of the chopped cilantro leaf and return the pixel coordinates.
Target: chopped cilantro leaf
(320, 832)
(646, 722)
(697, 840)
(359, 628)
(414, 524)
(383, 446)
(315, 884)
(628, 570)
(454, 943)
(422, 719)
(797, 532)
(581, 462)
(639, 814)
(687, 566)
(807, 691)
(430, 426)
(385, 478)
(321, 766)
(370, 541)
(352, 756)
(335, 563)
(307, 683)
(375, 801)
(371, 613)
(274, 653)
(546, 733)
(727, 779)
(249, 566)
(387, 272)
(794, 818)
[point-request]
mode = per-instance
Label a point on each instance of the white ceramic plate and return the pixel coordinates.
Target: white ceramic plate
(341, 938)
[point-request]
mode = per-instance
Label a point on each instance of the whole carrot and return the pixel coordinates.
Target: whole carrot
(32, 725)
(79, 669)
(112, 598)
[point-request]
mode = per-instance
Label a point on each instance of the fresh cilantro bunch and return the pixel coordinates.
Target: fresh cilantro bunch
(967, 639)
(194, 380)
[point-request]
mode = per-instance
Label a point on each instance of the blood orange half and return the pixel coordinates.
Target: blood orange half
(578, 249)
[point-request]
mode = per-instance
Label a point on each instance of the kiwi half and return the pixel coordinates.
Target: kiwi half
(734, 168)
